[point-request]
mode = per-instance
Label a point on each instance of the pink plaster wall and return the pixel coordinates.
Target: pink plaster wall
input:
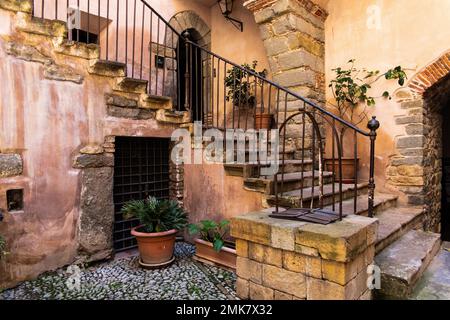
(48, 121)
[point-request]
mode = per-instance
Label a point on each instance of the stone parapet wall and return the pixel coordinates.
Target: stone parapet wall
(287, 260)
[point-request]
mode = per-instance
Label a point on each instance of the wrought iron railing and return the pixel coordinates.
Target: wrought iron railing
(224, 95)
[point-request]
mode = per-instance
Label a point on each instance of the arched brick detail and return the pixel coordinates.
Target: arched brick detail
(190, 20)
(430, 75)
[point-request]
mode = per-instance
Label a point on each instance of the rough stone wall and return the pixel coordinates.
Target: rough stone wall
(416, 168)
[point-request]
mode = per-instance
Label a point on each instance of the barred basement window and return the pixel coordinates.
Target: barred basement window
(14, 199)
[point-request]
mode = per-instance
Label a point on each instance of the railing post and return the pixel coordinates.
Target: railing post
(373, 126)
(187, 76)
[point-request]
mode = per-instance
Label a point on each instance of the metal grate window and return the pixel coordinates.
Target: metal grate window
(141, 170)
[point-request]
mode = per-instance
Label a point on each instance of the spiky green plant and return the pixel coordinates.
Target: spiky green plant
(156, 215)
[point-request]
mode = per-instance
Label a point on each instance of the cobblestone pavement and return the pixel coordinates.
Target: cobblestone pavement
(123, 279)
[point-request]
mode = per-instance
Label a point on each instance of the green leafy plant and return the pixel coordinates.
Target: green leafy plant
(242, 85)
(2, 247)
(211, 231)
(156, 215)
(351, 87)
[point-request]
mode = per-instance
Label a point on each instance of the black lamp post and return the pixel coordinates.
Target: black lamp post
(226, 6)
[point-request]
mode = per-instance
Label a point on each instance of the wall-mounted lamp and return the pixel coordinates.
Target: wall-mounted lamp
(226, 6)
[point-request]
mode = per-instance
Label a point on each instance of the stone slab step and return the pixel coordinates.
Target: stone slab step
(292, 198)
(173, 117)
(382, 202)
(403, 262)
(395, 222)
(435, 282)
(131, 85)
(292, 181)
(79, 50)
(251, 170)
(107, 68)
(42, 27)
(153, 102)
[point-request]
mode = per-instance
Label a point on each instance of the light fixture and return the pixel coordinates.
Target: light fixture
(226, 6)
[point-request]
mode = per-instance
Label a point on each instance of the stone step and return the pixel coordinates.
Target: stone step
(403, 263)
(291, 199)
(153, 102)
(251, 170)
(382, 202)
(42, 27)
(395, 222)
(435, 282)
(131, 85)
(173, 117)
(107, 68)
(14, 5)
(78, 50)
(292, 181)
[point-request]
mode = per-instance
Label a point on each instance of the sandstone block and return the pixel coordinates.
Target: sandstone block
(411, 142)
(284, 280)
(242, 288)
(242, 248)
(258, 292)
(282, 296)
(249, 270)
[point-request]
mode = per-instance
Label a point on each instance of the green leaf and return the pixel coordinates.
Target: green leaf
(224, 223)
(218, 244)
(193, 229)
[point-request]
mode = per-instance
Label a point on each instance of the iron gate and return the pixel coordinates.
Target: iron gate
(141, 170)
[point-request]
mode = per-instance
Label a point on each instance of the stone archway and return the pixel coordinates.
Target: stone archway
(186, 20)
(180, 22)
(416, 168)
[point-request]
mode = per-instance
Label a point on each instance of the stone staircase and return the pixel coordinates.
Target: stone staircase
(403, 252)
(44, 41)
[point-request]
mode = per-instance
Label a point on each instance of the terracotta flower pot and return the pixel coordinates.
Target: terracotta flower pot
(205, 252)
(348, 169)
(263, 121)
(155, 249)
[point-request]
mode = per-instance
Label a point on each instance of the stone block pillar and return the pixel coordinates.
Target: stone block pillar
(289, 260)
(294, 38)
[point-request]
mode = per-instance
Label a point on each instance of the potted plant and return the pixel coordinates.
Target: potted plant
(242, 86)
(212, 246)
(160, 220)
(350, 88)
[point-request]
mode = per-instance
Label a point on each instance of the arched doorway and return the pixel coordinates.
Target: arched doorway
(199, 33)
(190, 62)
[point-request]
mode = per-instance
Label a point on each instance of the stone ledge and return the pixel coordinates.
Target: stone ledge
(17, 5)
(341, 241)
(45, 27)
(107, 68)
(10, 165)
(84, 161)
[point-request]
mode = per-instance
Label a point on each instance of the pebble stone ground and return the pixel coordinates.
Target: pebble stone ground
(123, 279)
